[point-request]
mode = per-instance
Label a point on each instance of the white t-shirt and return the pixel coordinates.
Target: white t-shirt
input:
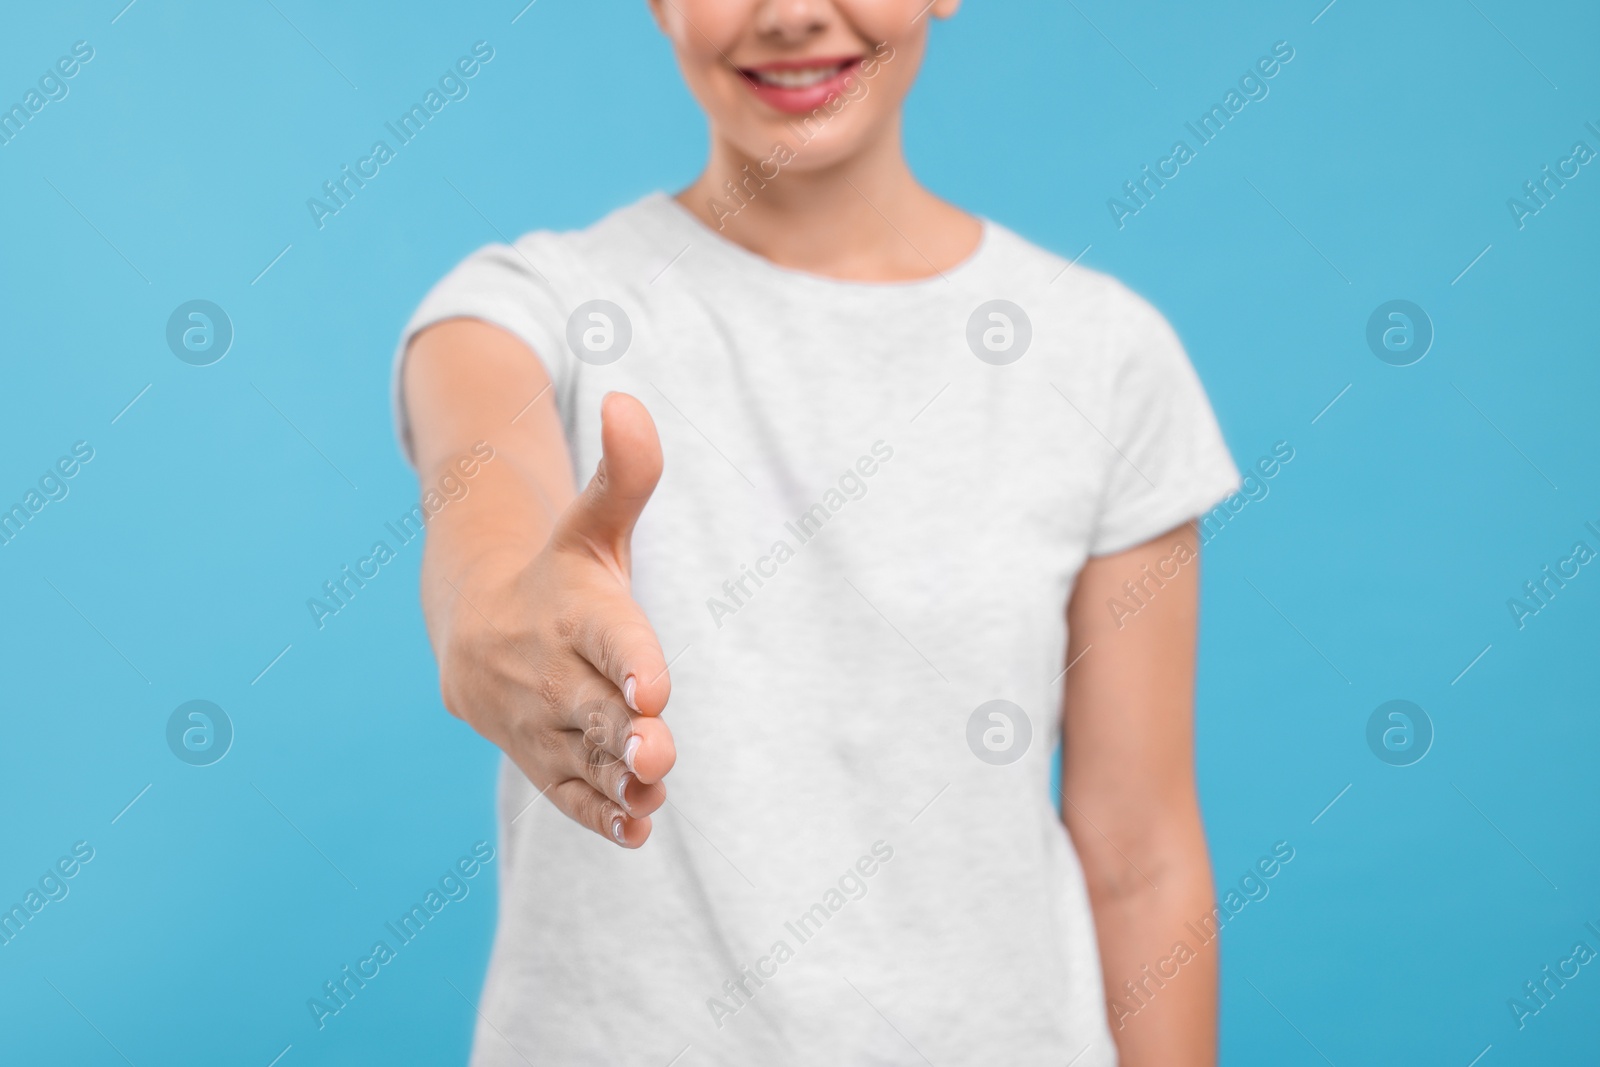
(875, 501)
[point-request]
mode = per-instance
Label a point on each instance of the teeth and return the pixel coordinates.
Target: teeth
(799, 78)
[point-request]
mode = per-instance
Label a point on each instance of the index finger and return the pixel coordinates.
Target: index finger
(619, 642)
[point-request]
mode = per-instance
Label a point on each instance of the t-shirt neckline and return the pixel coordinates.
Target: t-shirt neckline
(694, 230)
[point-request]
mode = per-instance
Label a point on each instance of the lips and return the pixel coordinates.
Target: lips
(798, 86)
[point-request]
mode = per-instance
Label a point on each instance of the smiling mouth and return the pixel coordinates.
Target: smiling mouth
(792, 77)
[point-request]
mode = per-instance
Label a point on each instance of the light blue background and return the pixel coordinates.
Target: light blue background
(1414, 508)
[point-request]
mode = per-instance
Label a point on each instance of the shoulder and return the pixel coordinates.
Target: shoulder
(615, 248)
(621, 249)
(1091, 312)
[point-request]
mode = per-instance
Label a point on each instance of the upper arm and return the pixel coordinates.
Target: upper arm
(1127, 721)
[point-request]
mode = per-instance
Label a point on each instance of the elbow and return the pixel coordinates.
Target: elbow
(1123, 864)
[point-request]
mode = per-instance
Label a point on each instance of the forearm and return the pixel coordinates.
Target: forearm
(478, 400)
(1160, 974)
(492, 531)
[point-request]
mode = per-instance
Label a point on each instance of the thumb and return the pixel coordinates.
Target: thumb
(603, 515)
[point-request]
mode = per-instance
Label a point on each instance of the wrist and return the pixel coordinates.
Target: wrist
(489, 567)
(467, 580)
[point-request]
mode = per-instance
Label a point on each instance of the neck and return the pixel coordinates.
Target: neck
(865, 218)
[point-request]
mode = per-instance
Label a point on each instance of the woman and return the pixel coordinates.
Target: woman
(923, 514)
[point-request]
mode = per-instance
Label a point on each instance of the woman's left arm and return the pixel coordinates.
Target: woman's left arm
(1129, 797)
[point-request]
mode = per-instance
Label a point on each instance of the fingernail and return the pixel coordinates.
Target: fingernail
(628, 751)
(630, 685)
(622, 788)
(616, 829)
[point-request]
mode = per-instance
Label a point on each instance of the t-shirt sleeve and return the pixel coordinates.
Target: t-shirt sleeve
(509, 286)
(1169, 463)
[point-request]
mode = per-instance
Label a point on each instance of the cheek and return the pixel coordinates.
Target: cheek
(895, 21)
(707, 26)
(703, 33)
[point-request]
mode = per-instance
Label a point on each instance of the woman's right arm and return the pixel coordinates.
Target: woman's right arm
(525, 582)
